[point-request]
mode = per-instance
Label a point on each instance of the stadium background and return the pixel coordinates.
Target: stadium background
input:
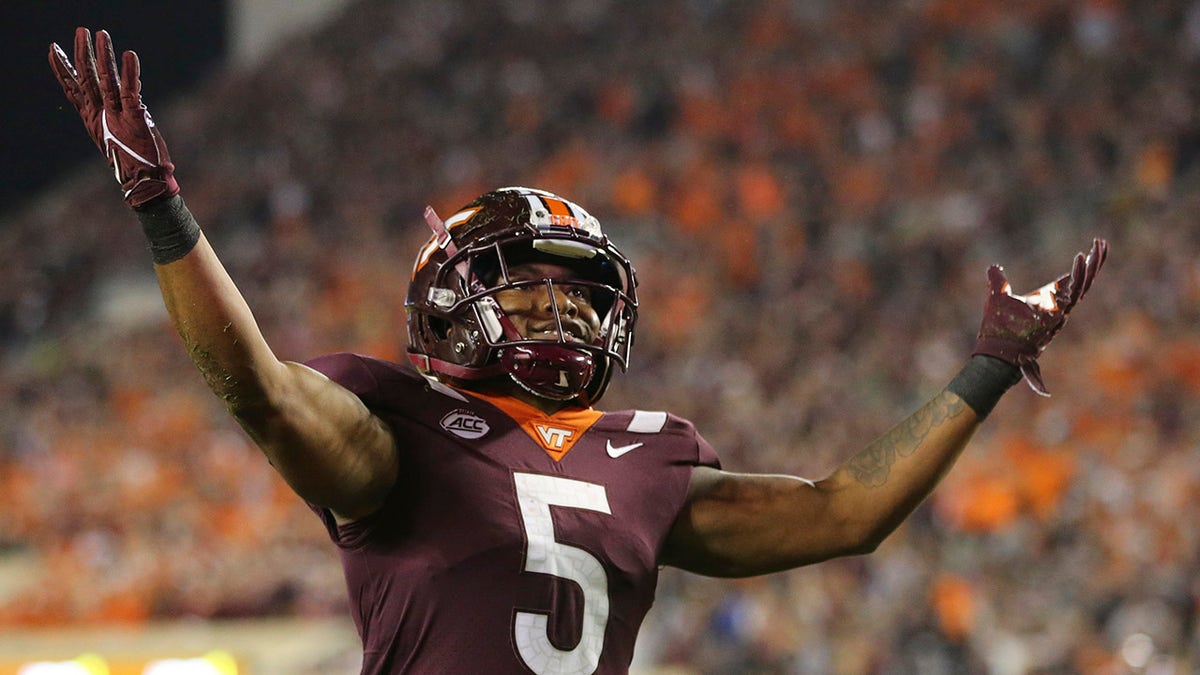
(811, 191)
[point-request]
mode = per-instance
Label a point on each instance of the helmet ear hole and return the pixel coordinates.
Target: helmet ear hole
(440, 328)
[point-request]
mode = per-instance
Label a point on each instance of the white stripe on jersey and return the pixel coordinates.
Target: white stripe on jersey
(644, 422)
(444, 389)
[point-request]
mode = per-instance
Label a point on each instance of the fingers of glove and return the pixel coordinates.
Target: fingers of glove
(110, 89)
(85, 63)
(65, 73)
(131, 81)
(1077, 280)
(997, 282)
(1095, 259)
(1085, 269)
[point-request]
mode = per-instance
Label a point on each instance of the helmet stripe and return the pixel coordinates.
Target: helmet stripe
(577, 211)
(535, 205)
(558, 207)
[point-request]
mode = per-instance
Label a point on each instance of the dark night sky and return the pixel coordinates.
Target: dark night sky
(41, 134)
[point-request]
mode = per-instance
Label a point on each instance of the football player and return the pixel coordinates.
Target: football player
(489, 517)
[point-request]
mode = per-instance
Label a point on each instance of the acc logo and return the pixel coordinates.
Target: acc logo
(465, 424)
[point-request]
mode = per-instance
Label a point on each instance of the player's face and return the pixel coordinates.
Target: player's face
(531, 308)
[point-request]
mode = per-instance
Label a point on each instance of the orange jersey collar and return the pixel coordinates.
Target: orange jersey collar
(556, 433)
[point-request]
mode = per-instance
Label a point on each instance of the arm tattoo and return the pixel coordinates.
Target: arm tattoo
(872, 466)
(222, 382)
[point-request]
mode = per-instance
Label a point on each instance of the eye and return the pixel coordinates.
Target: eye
(580, 293)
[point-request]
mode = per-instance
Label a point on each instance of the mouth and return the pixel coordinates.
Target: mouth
(573, 334)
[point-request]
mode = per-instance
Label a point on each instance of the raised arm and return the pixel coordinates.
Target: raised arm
(746, 524)
(318, 435)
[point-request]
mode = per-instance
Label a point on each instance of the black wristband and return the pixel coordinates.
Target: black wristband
(983, 381)
(169, 227)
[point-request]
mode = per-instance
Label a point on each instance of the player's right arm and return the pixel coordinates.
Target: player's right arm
(320, 437)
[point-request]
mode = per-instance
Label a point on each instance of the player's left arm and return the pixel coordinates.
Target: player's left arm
(744, 524)
(738, 524)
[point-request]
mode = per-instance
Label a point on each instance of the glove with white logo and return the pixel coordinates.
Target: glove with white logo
(1017, 328)
(110, 104)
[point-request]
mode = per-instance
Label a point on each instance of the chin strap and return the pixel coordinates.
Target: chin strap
(428, 364)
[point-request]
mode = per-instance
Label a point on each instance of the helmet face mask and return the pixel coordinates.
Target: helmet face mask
(457, 327)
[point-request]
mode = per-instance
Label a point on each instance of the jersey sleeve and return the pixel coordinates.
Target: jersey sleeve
(673, 425)
(705, 454)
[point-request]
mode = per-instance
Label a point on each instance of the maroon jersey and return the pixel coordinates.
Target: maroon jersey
(513, 541)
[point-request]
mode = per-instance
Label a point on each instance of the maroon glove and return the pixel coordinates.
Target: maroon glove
(1016, 328)
(115, 117)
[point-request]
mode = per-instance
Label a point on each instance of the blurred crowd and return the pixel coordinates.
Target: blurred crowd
(811, 192)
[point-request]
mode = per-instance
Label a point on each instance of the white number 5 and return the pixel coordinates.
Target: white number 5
(536, 494)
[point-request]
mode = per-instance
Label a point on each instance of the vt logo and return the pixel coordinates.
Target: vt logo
(556, 440)
(558, 435)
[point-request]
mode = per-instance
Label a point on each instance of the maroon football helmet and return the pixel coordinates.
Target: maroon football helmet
(456, 327)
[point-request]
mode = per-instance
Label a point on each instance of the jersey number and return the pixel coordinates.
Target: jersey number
(536, 494)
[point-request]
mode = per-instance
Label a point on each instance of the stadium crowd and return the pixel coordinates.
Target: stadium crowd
(811, 192)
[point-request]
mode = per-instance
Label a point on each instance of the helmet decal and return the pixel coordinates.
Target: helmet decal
(461, 217)
(441, 233)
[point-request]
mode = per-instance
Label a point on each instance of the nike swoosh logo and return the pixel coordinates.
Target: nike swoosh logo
(617, 451)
